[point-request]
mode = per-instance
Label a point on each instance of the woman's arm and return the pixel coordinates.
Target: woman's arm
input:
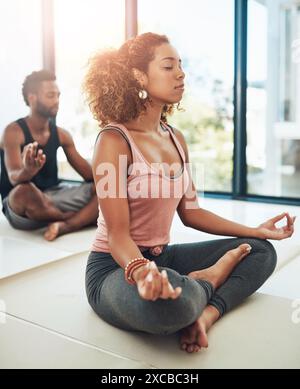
(200, 219)
(80, 164)
(110, 178)
(207, 221)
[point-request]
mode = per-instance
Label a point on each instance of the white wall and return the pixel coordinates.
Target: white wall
(20, 54)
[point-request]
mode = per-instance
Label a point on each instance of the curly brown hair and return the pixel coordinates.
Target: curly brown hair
(110, 86)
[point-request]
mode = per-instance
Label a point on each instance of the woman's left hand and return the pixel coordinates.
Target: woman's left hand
(268, 229)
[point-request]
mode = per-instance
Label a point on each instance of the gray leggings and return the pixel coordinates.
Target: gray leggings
(119, 303)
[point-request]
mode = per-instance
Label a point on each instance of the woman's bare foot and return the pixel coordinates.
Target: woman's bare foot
(56, 229)
(218, 273)
(194, 337)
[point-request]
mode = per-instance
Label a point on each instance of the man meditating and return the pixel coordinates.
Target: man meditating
(32, 195)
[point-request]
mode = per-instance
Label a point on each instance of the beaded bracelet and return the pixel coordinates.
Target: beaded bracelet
(132, 266)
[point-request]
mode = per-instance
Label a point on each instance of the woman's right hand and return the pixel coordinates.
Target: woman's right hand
(153, 284)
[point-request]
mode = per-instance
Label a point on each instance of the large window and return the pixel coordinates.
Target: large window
(20, 54)
(203, 33)
(273, 111)
(82, 28)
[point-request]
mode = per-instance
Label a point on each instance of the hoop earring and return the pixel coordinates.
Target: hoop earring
(143, 94)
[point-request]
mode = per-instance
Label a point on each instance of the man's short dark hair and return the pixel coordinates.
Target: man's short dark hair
(33, 81)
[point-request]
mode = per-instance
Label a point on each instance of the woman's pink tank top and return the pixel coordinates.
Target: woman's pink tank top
(153, 197)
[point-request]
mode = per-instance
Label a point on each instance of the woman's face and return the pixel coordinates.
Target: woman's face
(165, 78)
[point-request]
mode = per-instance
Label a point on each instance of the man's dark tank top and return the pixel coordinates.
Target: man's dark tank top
(47, 176)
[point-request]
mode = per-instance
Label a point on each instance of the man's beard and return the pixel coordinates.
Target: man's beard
(44, 111)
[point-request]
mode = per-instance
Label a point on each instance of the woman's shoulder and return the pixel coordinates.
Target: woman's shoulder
(110, 138)
(180, 137)
(175, 131)
(113, 131)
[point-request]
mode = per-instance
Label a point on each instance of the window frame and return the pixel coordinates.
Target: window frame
(239, 179)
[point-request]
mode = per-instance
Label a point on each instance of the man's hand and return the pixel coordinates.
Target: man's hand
(33, 159)
(153, 284)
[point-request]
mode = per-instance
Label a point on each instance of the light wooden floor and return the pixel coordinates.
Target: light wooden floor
(45, 320)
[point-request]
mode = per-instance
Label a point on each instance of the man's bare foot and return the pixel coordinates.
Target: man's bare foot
(56, 229)
(218, 273)
(194, 337)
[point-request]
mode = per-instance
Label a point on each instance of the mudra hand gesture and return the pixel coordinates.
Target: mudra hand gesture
(268, 229)
(33, 159)
(153, 284)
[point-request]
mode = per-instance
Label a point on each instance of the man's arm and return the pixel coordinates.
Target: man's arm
(20, 167)
(80, 164)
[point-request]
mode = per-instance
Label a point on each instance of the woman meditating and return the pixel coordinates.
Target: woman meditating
(135, 279)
